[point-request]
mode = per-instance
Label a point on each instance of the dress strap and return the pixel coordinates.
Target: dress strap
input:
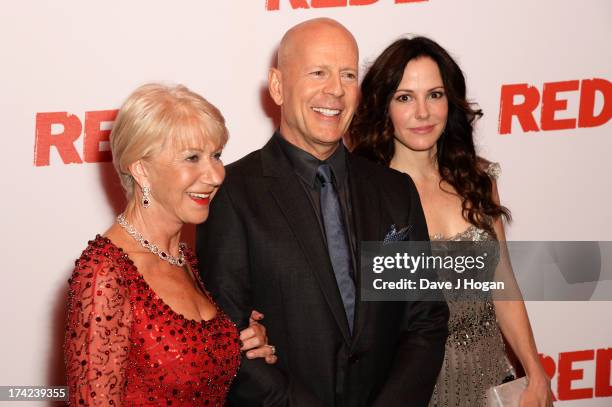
(493, 170)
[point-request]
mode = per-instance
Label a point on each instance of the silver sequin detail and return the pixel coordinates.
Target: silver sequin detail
(493, 170)
(475, 356)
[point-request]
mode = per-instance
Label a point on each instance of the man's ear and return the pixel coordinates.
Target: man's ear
(139, 173)
(275, 86)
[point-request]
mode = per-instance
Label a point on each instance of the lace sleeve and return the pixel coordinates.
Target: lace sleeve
(493, 170)
(97, 331)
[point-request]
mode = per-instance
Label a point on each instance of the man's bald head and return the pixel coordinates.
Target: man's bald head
(315, 84)
(299, 35)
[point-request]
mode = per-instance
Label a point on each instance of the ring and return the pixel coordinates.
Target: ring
(272, 349)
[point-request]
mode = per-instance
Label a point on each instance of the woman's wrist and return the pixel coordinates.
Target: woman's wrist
(532, 366)
(536, 374)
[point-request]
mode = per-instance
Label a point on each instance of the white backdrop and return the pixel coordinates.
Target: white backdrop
(76, 57)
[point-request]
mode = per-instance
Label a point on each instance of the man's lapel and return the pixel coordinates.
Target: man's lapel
(365, 200)
(295, 206)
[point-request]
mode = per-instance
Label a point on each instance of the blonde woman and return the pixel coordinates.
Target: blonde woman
(142, 329)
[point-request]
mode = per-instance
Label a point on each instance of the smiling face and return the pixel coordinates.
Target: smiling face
(316, 85)
(184, 177)
(419, 107)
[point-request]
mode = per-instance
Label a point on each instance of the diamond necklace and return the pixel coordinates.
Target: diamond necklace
(175, 261)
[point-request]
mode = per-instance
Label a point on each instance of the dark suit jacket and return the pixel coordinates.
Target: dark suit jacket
(262, 248)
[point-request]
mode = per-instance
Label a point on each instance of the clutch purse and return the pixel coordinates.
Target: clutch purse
(507, 394)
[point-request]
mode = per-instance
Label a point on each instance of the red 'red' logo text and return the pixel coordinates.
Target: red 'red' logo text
(72, 128)
(567, 372)
(551, 103)
(272, 5)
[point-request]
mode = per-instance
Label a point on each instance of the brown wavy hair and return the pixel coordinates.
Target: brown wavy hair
(371, 133)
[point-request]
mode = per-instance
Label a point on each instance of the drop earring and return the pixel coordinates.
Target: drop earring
(146, 197)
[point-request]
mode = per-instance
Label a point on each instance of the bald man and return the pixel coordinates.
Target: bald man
(284, 235)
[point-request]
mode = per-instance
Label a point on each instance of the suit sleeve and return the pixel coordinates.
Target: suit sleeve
(223, 251)
(421, 347)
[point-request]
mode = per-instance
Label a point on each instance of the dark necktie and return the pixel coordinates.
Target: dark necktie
(337, 243)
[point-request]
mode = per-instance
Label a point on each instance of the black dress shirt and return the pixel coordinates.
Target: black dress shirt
(305, 166)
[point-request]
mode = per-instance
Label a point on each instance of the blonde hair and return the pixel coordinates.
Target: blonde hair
(155, 114)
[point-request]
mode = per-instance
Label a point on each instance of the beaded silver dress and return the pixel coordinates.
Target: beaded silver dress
(475, 356)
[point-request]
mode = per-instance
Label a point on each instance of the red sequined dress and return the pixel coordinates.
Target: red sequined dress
(124, 346)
